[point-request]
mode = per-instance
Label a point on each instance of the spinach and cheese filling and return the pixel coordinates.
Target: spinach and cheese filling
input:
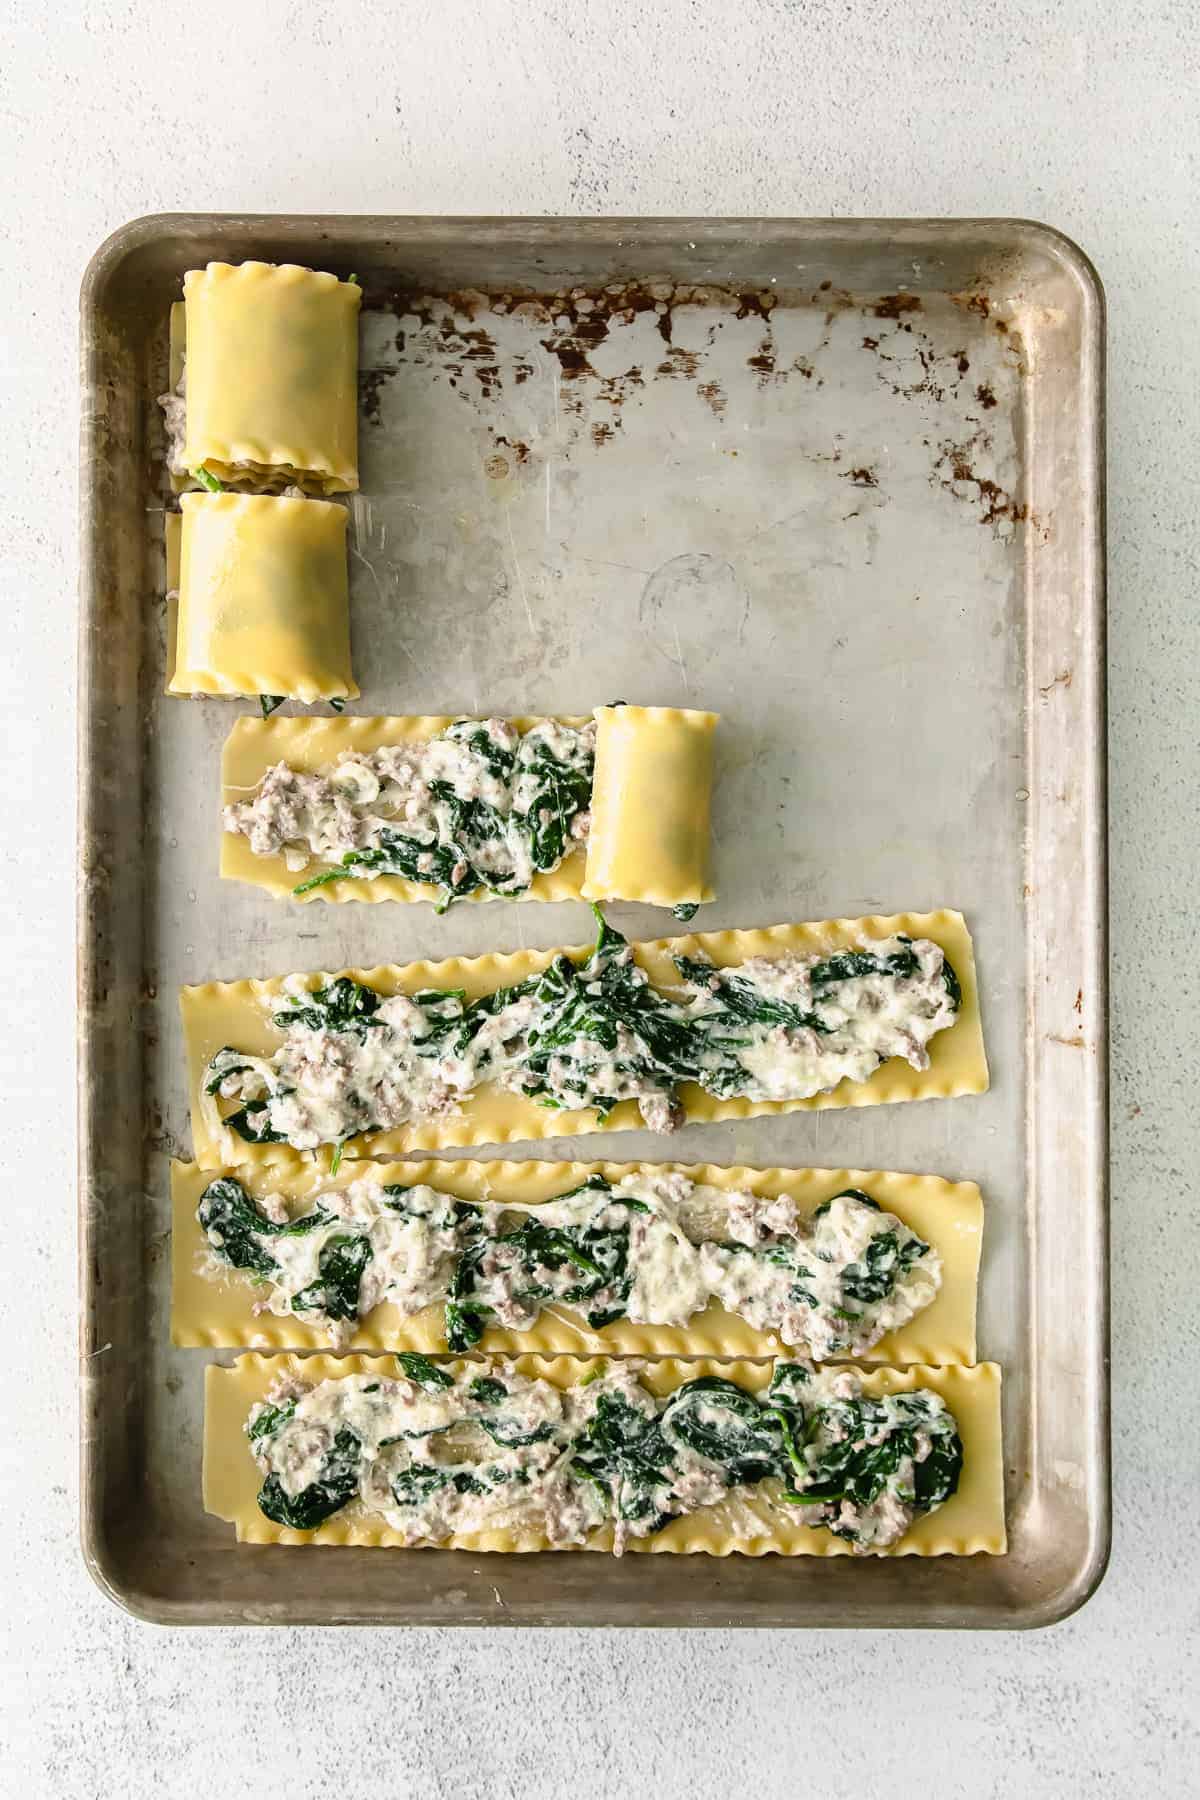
(654, 1248)
(480, 807)
(437, 1454)
(584, 1036)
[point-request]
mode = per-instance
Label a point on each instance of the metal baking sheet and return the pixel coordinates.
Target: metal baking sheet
(840, 481)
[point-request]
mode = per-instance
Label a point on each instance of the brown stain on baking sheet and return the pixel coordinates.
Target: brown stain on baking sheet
(955, 470)
(371, 383)
(763, 361)
(452, 335)
(519, 449)
(679, 361)
(973, 301)
(938, 373)
(985, 395)
(752, 305)
(894, 306)
(864, 478)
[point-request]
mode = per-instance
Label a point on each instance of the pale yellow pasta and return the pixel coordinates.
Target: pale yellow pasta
(651, 798)
(238, 1013)
(216, 1313)
(970, 1522)
(272, 375)
(263, 598)
(256, 745)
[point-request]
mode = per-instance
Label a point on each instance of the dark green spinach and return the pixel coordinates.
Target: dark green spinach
(335, 1486)
(234, 1225)
(425, 1373)
(340, 1267)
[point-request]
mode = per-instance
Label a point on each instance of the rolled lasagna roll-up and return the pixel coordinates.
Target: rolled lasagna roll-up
(649, 837)
(271, 385)
(263, 598)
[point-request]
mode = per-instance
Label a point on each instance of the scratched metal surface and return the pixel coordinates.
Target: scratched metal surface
(822, 485)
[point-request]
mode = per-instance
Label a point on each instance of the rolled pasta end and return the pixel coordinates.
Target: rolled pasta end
(263, 598)
(651, 801)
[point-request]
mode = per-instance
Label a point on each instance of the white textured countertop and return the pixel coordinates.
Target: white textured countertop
(764, 106)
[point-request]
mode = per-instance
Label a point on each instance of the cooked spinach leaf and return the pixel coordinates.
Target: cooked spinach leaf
(340, 1267)
(425, 1373)
(624, 1456)
(525, 1255)
(336, 1484)
(345, 1005)
(270, 703)
(414, 1485)
(234, 1224)
(487, 1392)
(727, 1426)
(885, 1262)
(270, 1419)
(788, 1384)
(856, 1448)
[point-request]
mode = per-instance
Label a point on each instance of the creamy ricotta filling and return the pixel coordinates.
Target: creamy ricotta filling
(655, 1248)
(584, 1037)
(433, 1454)
(174, 407)
(481, 805)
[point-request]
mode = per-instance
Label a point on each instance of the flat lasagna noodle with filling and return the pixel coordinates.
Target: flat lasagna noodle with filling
(271, 376)
(263, 603)
(217, 1313)
(238, 1014)
(970, 1522)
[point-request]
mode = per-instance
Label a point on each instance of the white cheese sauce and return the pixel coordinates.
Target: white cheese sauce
(830, 1285)
(861, 1021)
(174, 406)
(481, 790)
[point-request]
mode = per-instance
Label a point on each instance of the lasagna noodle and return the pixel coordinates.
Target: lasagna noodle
(216, 1313)
(263, 598)
(971, 1521)
(272, 375)
(256, 745)
(238, 1013)
(649, 838)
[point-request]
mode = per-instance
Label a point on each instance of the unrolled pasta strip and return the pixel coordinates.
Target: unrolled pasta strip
(549, 1043)
(634, 1259)
(562, 1453)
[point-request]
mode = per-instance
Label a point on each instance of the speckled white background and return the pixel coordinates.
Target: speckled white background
(1084, 114)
